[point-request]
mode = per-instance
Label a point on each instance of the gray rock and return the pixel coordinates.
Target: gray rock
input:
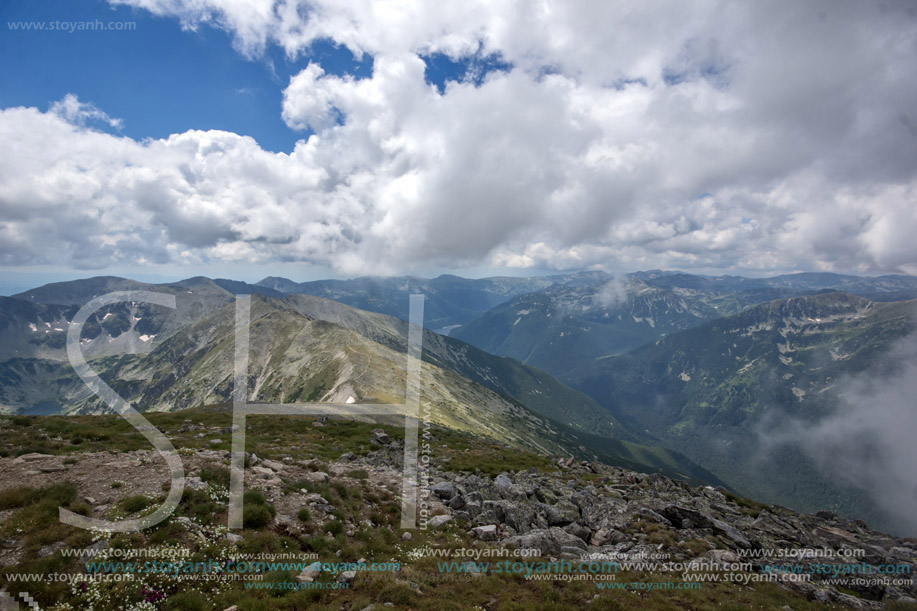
(579, 531)
(472, 568)
(561, 514)
(508, 490)
(503, 481)
(473, 509)
(272, 464)
(309, 573)
(731, 532)
(485, 533)
(444, 490)
(31, 457)
(457, 502)
(550, 542)
(316, 477)
(437, 521)
(52, 468)
(519, 516)
(48, 550)
(493, 510)
(381, 437)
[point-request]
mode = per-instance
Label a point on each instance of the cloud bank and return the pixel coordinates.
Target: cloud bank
(623, 135)
(868, 441)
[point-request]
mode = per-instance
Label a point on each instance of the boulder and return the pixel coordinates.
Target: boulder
(444, 490)
(437, 521)
(485, 533)
(551, 541)
(308, 574)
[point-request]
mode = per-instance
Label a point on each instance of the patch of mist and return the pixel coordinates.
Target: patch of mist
(869, 441)
(611, 293)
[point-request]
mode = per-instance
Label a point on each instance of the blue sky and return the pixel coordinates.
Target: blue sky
(158, 79)
(162, 80)
(470, 138)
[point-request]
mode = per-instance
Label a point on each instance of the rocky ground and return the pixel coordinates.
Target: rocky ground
(565, 509)
(623, 515)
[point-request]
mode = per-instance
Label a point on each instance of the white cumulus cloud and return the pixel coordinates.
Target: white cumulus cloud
(625, 135)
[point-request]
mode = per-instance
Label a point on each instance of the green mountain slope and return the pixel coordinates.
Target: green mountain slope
(563, 328)
(450, 300)
(566, 326)
(303, 350)
(714, 391)
(532, 387)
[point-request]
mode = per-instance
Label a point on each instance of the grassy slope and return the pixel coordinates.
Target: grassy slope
(419, 584)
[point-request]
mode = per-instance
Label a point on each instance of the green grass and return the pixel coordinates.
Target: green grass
(135, 503)
(746, 506)
(34, 521)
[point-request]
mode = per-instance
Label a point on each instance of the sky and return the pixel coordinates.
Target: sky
(339, 138)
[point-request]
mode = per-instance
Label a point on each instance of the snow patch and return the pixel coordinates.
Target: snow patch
(146, 338)
(32, 327)
(684, 377)
(350, 400)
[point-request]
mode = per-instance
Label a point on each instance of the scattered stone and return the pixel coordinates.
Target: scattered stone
(48, 550)
(309, 573)
(437, 521)
(195, 483)
(30, 457)
(485, 533)
(52, 468)
(316, 477)
(551, 541)
(444, 490)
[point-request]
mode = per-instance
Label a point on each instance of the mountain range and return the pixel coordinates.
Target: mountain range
(701, 377)
(303, 349)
